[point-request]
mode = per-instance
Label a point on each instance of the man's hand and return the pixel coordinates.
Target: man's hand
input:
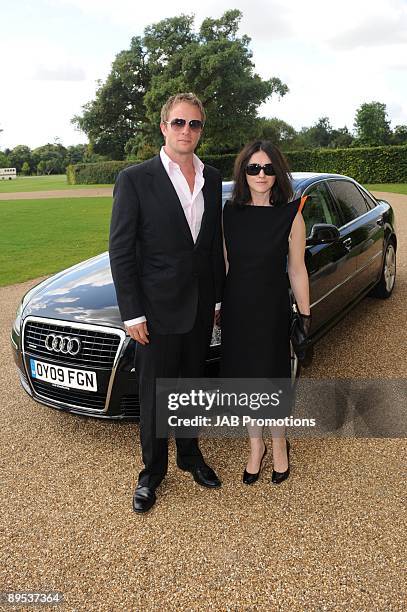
(139, 332)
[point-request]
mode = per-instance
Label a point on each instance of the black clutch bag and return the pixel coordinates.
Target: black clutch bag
(299, 334)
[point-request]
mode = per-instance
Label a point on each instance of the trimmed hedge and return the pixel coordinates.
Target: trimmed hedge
(95, 174)
(224, 163)
(106, 172)
(365, 164)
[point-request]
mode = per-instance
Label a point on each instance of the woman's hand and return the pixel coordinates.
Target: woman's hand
(306, 320)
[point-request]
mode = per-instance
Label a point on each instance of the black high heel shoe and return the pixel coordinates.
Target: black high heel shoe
(278, 477)
(249, 478)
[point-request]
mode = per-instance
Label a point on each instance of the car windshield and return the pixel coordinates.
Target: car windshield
(296, 184)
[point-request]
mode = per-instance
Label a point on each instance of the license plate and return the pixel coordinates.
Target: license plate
(62, 376)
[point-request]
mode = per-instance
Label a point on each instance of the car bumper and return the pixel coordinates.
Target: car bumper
(121, 400)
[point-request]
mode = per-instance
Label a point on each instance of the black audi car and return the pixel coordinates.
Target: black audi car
(70, 345)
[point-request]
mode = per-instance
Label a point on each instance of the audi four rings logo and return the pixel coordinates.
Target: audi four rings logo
(63, 344)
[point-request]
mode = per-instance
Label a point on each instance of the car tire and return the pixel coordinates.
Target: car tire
(385, 286)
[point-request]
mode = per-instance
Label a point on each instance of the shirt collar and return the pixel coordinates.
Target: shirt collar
(168, 163)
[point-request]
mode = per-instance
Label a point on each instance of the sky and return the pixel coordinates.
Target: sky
(334, 56)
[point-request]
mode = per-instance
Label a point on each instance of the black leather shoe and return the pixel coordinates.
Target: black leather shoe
(143, 499)
(278, 477)
(248, 477)
(203, 475)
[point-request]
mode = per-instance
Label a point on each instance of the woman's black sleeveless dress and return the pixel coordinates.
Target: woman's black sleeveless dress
(255, 314)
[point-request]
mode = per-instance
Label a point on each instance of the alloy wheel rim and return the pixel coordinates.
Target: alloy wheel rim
(390, 268)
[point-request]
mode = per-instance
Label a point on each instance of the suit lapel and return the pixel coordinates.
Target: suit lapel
(206, 191)
(165, 192)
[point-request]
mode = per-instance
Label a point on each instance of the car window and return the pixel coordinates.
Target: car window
(350, 200)
(318, 208)
(371, 203)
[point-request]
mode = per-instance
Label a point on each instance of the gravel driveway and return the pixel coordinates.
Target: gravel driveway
(330, 538)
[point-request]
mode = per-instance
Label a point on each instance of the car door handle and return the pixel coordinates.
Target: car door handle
(347, 243)
(380, 221)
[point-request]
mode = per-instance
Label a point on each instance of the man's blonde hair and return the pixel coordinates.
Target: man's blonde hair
(182, 97)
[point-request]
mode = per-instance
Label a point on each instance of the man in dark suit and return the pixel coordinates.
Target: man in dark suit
(167, 264)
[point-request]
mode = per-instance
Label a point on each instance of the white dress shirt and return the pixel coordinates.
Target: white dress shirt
(192, 203)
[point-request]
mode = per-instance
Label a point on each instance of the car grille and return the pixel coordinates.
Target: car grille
(98, 348)
(80, 399)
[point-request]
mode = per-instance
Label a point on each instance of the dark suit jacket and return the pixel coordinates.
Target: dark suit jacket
(157, 269)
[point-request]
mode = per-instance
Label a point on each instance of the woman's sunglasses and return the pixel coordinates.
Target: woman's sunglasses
(254, 169)
(178, 124)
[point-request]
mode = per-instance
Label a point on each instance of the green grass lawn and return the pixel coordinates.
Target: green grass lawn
(58, 181)
(389, 187)
(41, 183)
(40, 237)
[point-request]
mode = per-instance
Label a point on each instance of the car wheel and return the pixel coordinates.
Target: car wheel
(385, 286)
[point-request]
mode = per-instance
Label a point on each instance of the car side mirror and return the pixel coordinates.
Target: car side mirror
(323, 233)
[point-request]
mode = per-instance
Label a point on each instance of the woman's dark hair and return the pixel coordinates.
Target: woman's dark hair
(281, 192)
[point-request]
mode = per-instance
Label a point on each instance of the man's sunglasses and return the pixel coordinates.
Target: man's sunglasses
(178, 124)
(254, 169)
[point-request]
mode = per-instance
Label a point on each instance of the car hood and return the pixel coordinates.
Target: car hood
(84, 293)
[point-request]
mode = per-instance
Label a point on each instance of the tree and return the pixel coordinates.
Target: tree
(25, 169)
(53, 156)
(165, 40)
(318, 135)
(371, 124)
(76, 154)
(117, 111)
(276, 130)
(399, 136)
(214, 63)
(4, 161)
(19, 155)
(41, 167)
(341, 138)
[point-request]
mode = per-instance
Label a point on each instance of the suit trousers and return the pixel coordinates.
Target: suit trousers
(168, 356)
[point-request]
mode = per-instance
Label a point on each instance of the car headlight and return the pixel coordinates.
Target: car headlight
(23, 304)
(17, 321)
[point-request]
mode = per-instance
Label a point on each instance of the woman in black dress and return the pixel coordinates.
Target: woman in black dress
(262, 227)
